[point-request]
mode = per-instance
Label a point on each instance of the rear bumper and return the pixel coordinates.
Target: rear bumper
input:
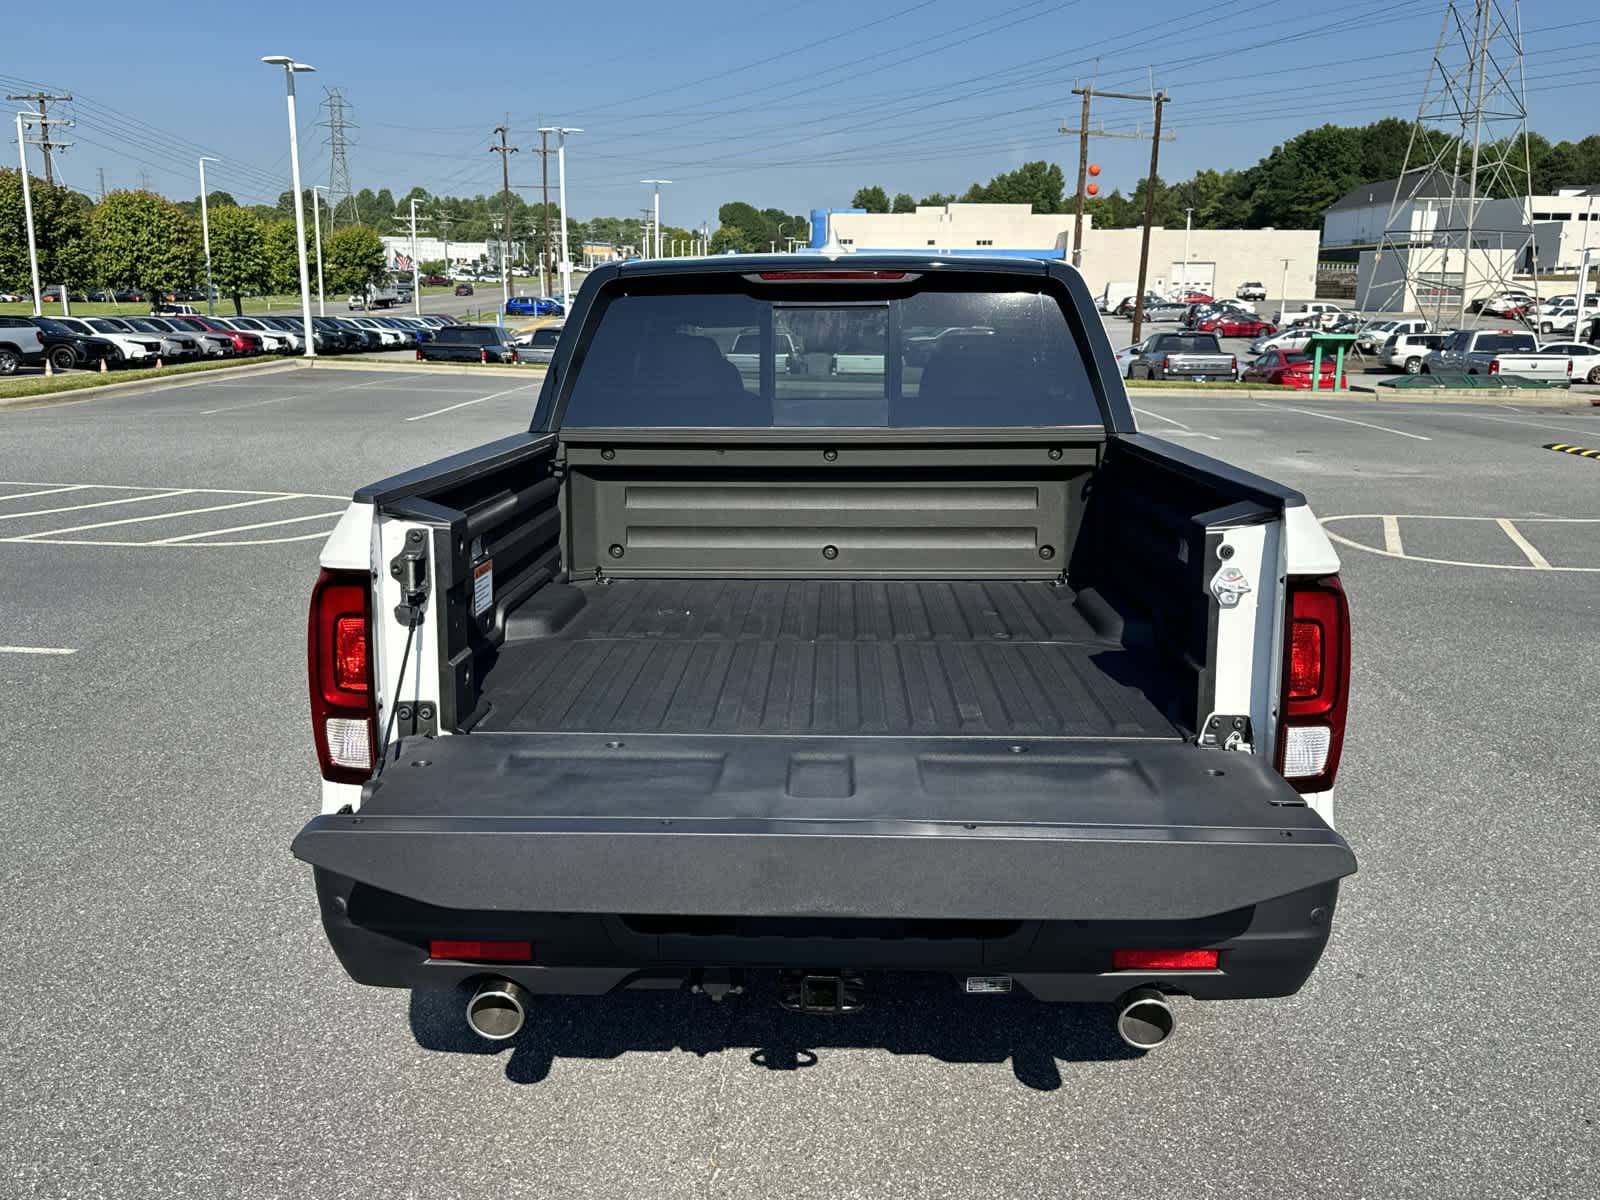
(1266, 950)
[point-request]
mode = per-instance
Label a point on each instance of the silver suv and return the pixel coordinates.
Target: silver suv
(1408, 352)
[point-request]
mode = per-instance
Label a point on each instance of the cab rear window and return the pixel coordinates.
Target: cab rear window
(852, 360)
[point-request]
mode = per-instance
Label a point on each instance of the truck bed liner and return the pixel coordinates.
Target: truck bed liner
(837, 657)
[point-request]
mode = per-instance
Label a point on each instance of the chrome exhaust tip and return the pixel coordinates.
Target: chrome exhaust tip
(1145, 1019)
(498, 1009)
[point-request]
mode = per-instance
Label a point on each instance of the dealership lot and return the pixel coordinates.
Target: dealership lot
(177, 1025)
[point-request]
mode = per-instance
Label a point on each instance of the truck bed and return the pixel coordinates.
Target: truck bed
(828, 657)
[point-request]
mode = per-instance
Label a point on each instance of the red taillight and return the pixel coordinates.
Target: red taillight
(339, 667)
(477, 950)
(1163, 960)
(1316, 683)
(483, 355)
(1166, 363)
(1494, 367)
(514, 357)
(1236, 365)
(419, 353)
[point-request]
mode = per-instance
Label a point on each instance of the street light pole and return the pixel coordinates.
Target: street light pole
(316, 225)
(1283, 294)
(1188, 215)
(27, 210)
(657, 218)
(416, 278)
(561, 132)
(290, 68)
(205, 235)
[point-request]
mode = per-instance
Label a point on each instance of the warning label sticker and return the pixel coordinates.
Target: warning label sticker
(482, 587)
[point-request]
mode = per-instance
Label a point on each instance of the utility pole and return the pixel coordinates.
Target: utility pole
(1159, 100)
(1084, 134)
(547, 264)
(505, 152)
(43, 99)
(416, 283)
(656, 218)
(102, 183)
(1283, 295)
(1188, 222)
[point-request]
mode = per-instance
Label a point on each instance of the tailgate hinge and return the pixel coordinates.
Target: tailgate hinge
(1225, 732)
(410, 569)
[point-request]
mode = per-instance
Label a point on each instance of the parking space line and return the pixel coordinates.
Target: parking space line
(211, 412)
(36, 650)
(466, 403)
(1173, 421)
(46, 512)
(1350, 421)
(51, 491)
(1522, 543)
(183, 512)
(1391, 536)
(189, 537)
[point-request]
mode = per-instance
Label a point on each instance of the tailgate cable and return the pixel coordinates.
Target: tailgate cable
(399, 683)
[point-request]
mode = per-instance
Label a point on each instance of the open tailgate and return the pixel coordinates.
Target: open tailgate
(1047, 829)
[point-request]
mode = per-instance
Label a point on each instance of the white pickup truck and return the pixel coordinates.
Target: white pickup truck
(1550, 365)
(703, 682)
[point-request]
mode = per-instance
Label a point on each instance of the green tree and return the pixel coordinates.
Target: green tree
(903, 203)
(731, 237)
(1038, 184)
(142, 239)
(874, 199)
(938, 199)
(61, 234)
(353, 258)
(239, 261)
(283, 262)
(433, 266)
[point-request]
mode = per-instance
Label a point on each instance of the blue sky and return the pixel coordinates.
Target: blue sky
(778, 103)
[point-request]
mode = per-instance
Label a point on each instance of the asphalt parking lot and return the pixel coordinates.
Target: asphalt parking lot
(174, 1024)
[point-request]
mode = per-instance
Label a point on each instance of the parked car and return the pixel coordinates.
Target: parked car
(621, 764)
(1251, 290)
(539, 345)
(1165, 311)
(364, 339)
(1318, 311)
(1296, 338)
(1195, 297)
(273, 341)
(1191, 356)
(1126, 305)
(1506, 304)
(1545, 364)
(1472, 350)
(1287, 368)
(1585, 359)
(1373, 336)
(463, 289)
(435, 281)
(1409, 351)
(66, 348)
(534, 306)
(1228, 324)
(21, 344)
(1564, 316)
(139, 349)
(174, 346)
(469, 343)
(389, 338)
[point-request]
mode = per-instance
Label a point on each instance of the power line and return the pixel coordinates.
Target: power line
(44, 100)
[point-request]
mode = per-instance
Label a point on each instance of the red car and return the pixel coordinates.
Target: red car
(243, 343)
(1287, 368)
(1236, 325)
(1197, 298)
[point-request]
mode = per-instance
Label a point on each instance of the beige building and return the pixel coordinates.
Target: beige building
(1218, 260)
(1215, 261)
(972, 228)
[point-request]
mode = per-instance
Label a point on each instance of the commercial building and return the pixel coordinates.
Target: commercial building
(398, 250)
(1214, 260)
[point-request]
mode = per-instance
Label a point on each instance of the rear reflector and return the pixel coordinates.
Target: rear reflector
(1163, 960)
(467, 950)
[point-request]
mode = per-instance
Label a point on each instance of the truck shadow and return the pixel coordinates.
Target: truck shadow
(904, 1015)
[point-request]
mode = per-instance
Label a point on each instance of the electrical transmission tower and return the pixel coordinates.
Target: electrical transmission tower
(1460, 224)
(338, 124)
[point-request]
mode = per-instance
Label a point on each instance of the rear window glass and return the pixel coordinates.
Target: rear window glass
(1500, 343)
(945, 358)
(471, 335)
(546, 338)
(1186, 343)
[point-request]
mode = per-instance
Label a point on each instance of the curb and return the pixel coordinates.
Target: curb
(186, 379)
(1526, 397)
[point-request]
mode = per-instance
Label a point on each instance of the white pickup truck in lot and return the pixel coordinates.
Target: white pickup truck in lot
(716, 679)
